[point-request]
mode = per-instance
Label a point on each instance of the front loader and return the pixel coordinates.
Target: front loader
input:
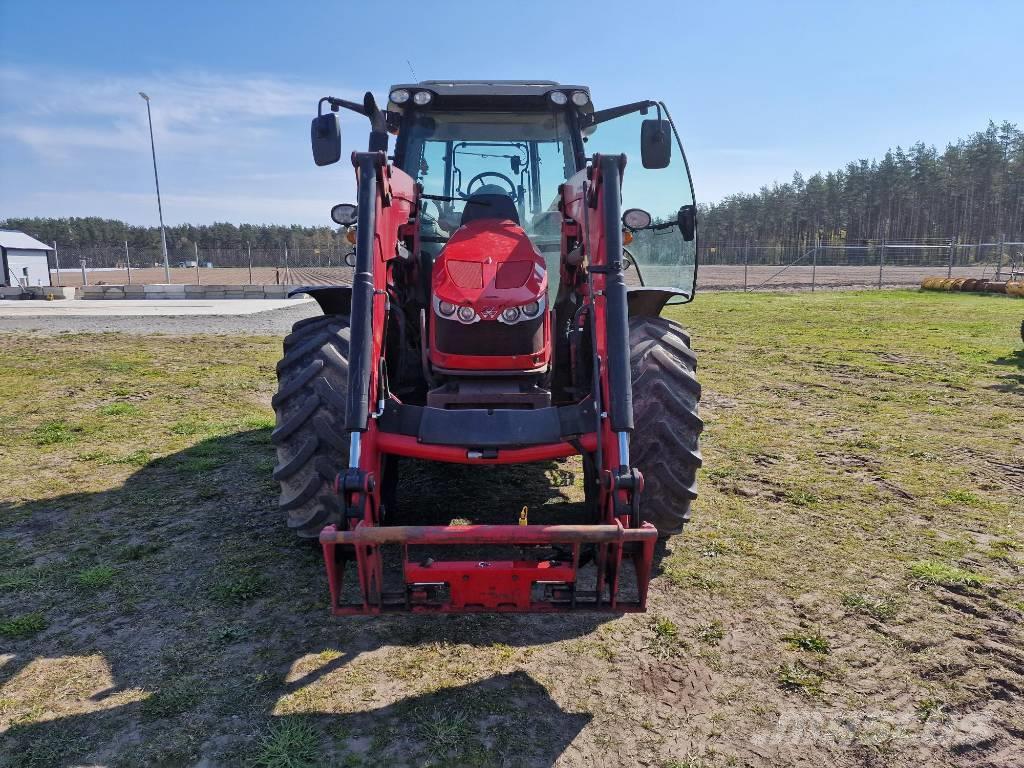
(514, 248)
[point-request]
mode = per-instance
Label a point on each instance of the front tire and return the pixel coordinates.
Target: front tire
(665, 443)
(312, 446)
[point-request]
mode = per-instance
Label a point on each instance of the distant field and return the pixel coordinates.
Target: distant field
(849, 594)
(709, 277)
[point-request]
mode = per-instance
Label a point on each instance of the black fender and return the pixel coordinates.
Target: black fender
(648, 302)
(333, 299)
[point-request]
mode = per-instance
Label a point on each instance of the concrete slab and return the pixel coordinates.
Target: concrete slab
(144, 307)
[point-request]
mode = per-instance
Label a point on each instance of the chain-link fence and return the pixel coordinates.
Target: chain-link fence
(723, 266)
(828, 265)
(118, 265)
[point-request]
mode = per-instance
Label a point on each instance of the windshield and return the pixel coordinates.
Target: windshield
(526, 156)
(658, 256)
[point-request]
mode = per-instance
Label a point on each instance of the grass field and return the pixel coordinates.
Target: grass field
(849, 592)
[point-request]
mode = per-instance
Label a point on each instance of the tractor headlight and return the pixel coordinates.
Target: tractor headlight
(513, 315)
(451, 311)
(559, 98)
(399, 96)
(420, 98)
(580, 98)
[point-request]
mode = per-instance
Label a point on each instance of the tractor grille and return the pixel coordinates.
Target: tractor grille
(466, 274)
(489, 337)
(513, 274)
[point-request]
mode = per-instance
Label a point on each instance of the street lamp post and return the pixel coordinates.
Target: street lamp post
(156, 177)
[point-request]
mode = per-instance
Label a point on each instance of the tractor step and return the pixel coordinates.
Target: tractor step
(519, 585)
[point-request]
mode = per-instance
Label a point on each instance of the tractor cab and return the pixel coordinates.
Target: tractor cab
(491, 159)
(523, 140)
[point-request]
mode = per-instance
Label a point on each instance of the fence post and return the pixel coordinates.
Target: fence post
(814, 262)
(746, 263)
(56, 262)
(286, 271)
(85, 277)
(881, 261)
(999, 258)
(196, 246)
(952, 248)
(249, 249)
(128, 261)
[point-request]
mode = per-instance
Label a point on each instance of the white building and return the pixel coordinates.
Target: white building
(23, 259)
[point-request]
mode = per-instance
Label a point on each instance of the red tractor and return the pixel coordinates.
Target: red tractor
(510, 270)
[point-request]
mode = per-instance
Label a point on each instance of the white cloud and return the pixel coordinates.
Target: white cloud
(54, 114)
(229, 148)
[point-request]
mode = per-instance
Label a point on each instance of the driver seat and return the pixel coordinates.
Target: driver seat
(489, 202)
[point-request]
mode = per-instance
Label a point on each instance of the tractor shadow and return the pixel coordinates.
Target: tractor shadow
(208, 624)
(1013, 381)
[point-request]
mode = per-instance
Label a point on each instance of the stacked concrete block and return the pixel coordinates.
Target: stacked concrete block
(166, 291)
(101, 292)
(156, 291)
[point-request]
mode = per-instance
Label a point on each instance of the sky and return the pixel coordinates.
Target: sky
(757, 89)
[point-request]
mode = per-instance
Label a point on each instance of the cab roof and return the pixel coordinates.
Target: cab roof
(485, 94)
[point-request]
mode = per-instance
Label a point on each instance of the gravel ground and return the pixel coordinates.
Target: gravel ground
(275, 322)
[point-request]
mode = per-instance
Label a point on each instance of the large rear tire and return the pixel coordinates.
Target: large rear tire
(665, 443)
(312, 447)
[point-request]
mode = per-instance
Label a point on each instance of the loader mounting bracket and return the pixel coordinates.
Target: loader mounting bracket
(519, 585)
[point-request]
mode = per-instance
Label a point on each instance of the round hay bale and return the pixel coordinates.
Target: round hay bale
(994, 287)
(971, 284)
(928, 283)
(958, 283)
(1015, 289)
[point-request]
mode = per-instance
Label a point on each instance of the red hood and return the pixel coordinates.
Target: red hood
(489, 264)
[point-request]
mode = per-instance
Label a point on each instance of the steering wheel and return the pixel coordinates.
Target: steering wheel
(481, 176)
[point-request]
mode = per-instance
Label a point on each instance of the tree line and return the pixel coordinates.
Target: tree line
(90, 231)
(972, 191)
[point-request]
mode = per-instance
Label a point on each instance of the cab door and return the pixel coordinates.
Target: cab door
(663, 255)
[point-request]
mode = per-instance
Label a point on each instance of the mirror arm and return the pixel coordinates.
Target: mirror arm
(379, 119)
(337, 104)
(604, 115)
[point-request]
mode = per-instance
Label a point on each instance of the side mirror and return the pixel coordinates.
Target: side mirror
(345, 214)
(325, 135)
(688, 221)
(655, 143)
